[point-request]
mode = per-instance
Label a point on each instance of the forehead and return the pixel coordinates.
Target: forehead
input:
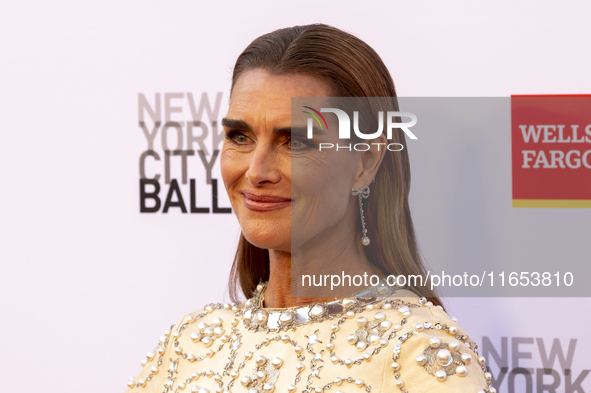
(259, 93)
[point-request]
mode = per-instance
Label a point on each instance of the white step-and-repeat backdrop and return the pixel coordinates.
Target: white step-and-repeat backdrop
(89, 281)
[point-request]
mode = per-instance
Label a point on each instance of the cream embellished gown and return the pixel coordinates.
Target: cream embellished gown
(385, 341)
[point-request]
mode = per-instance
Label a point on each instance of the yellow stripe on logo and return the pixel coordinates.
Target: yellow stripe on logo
(566, 203)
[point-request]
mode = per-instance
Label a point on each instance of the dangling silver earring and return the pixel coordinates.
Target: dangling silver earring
(363, 193)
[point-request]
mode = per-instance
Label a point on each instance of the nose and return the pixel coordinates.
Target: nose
(263, 167)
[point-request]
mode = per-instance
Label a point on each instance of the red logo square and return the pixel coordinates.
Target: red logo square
(551, 150)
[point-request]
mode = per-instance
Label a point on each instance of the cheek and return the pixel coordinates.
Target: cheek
(229, 167)
(323, 190)
(232, 173)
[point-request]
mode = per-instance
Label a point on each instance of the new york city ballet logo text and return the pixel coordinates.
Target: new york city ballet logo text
(176, 166)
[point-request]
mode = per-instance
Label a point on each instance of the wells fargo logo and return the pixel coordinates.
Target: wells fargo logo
(551, 150)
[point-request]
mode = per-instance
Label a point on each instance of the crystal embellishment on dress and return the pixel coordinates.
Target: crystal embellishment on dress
(313, 338)
(257, 318)
(285, 318)
(443, 360)
(348, 303)
(317, 311)
(369, 332)
(189, 357)
(261, 317)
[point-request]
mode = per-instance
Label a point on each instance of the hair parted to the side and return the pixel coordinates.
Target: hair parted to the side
(351, 68)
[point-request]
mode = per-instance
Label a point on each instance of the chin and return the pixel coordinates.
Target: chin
(269, 238)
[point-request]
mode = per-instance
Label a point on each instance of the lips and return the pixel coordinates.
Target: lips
(264, 202)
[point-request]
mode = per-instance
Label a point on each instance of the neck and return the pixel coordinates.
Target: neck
(284, 288)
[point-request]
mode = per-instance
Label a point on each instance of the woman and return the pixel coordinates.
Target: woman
(305, 210)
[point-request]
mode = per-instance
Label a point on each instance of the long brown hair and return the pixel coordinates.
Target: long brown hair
(351, 68)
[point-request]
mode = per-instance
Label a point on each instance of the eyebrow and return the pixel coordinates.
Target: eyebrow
(299, 131)
(231, 123)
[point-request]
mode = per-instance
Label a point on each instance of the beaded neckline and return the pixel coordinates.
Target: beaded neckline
(257, 318)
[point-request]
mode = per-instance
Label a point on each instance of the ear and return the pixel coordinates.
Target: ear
(370, 161)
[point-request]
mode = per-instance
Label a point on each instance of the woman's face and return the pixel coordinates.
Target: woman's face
(277, 181)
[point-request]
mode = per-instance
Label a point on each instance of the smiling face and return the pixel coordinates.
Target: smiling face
(275, 178)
